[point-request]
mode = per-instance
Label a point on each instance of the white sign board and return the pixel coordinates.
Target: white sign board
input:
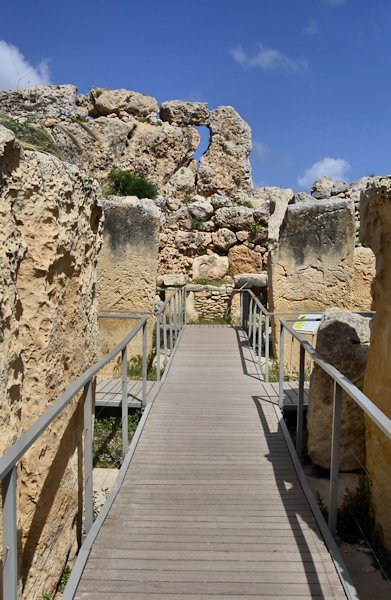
(308, 323)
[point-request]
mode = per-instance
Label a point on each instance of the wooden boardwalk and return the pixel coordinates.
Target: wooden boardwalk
(211, 505)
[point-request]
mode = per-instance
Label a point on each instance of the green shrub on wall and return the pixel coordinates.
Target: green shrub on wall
(124, 183)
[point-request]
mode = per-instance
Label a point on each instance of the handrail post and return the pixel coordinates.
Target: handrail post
(249, 320)
(260, 340)
(267, 348)
(158, 347)
(170, 323)
(144, 372)
(175, 323)
(10, 543)
(124, 400)
(254, 340)
(165, 337)
(281, 375)
(185, 305)
(334, 467)
(88, 466)
(300, 405)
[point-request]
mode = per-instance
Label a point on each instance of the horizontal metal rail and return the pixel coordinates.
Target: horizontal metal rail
(255, 320)
(341, 384)
(10, 459)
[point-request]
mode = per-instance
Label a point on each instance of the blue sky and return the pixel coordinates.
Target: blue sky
(311, 77)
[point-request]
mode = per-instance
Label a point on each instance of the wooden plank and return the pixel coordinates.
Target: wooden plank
(211, 505)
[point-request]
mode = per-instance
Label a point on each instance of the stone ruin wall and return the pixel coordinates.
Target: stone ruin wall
(50, 234)
(376, 232)
(127, 271)
(214, 224)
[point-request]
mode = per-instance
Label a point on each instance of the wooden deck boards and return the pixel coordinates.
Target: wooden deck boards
(211, 506)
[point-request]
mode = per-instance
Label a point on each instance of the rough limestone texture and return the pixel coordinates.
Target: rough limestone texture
(50, 234)
(108, 102)
(310, 268)
(210, 267)
(364, 271)
(184, 113)
(40, 102)
(243, 260)
(342, 340)
(376, 232)
(127, 268)
(225, 167)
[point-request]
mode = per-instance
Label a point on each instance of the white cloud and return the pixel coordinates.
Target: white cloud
(336, 168)
(268, 59)
(312, 27)
(261, 149)
(16, 72)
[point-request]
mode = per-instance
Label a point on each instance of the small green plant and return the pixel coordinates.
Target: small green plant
(214, 282)
(211, 321)
(257, 230)
(196, 223)
(125, 183)
(107, 444)
(30, 136)
(64, 578)
(46, 597)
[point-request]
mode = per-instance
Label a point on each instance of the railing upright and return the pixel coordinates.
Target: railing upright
(88, 466)
(10, 548)
(260, 341)
(334, 469)
(281, 374)
(267, 347)
(165, 349)
(170, 323)
(254, 328)
(158, 347)
(124, 400)
(144, 371)
(300, 405)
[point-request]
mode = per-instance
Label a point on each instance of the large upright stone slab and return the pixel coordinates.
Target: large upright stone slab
(376, 232)
(50, 234)
(342, 340)
(225, 167)
(127, 267)
(311, 264)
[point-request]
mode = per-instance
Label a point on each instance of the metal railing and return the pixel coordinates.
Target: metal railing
(169, 322)
(341, 383)
(256, 322)
(10, 459)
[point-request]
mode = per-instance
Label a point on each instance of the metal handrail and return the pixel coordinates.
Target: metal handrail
(341, 383)
(8, 462)
(253, 327)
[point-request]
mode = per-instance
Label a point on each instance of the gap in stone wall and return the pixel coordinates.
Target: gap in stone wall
(204, 133)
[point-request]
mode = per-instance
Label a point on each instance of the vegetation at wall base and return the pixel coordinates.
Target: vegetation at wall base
(30, 136)
(356, 523)
(125, 183)
(107, 444)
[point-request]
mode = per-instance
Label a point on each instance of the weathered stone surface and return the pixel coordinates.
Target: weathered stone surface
(173, 280)
(342, 340)
(219, 201)
(127, 266)
(376, 232)
(40, 102)
(201, 209)
(192, 314)
(364, 271)
(310, 268)
(251, 280)
(192, 241)
(243, 260)
(106, 102)
(210, 267)
(322, 188)
(223, 239)
(225, 167)
(9, 152)
(50, 233)
(184, 113)
(301, 197)
(279, 199)
(235, 217)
